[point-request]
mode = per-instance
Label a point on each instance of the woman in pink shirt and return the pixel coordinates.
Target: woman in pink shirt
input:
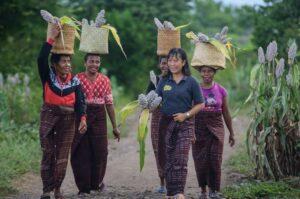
(209, 131)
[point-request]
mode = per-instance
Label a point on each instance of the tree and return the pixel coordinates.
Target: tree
(277, 20)
(134, 21)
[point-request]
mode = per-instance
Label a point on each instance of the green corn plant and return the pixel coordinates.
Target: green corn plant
(143, 106)
(273, 136)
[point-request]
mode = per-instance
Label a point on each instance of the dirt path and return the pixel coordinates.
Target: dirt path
(123, 178)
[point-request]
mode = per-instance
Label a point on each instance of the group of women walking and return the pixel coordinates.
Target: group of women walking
(73, 119)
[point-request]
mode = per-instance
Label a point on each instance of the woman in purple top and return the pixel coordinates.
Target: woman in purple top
(209, 130)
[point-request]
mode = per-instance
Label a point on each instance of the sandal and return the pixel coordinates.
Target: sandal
(45, 196)
(59, 196)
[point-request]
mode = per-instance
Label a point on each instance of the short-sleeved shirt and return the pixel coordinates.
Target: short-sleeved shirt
(97, 91)
(178, 98)
(151, 86)
(214, 97)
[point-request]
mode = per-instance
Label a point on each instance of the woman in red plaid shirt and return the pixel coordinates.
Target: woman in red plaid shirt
(89, 150)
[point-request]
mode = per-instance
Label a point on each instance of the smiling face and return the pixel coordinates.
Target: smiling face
(63, 67)
(175, 64)
(92, 64)
(163, 65)
(207, 73)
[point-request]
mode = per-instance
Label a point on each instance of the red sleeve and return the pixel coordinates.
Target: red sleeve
(108, 93)
(50, 41)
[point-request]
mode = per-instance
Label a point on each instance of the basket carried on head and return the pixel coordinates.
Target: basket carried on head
(168, 36)
(166, 40)
(94, 39)
(64, 43)
(94, 35)
(212, 52)
(206, 54)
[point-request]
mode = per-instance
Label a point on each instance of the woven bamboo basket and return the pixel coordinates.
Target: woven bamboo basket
(68, 33)
(94, 40)
(166, 40)
(205, 54)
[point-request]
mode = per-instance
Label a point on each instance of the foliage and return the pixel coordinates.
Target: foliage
(18, 102)
(19, 152)
(273, 135)
(268, 189)
(277, 20)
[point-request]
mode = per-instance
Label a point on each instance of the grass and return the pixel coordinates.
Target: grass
(267, 189)
(250, 188)
(19, 153)
(20, 149)
(240, 161)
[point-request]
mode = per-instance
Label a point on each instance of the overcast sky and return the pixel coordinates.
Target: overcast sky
(241, 2)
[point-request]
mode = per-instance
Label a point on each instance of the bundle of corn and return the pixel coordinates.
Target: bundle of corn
(90, 33)
(273, 137)
(220, 41)
(143, 106)
(61, 22)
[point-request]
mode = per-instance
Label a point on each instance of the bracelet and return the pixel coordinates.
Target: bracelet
(187, 114)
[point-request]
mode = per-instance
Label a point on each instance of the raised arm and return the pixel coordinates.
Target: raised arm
(42, 60)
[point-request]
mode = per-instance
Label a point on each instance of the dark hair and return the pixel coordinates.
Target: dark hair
(200, 68)
(55, 58)
(90, 54)
(161, 57)
(180, 53)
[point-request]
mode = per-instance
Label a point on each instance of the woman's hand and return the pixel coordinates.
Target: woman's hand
(179, 117)
(231, 140)
(82, 127)
(54, 32)
(117, 134)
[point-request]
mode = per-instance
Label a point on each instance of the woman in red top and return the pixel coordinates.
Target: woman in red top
(63, 98)
(89, 151)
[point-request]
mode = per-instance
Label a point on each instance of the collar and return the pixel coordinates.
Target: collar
(170, 78)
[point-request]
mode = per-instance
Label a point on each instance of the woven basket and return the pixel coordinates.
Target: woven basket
(94, 40)
(205, 54)
(166, 40)
(68, 36)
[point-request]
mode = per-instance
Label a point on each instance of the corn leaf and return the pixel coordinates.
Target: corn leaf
(253, 75)
(116, 37)
(221, 47)
(182, 26)
(142, 134)
(69, 21)
(128, 110)
(191, 35)
(143, 122)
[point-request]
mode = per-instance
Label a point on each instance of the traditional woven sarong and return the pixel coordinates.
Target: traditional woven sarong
(178, 138)
(155, 138)
(56, 136)
(89, 151)
(208, 149)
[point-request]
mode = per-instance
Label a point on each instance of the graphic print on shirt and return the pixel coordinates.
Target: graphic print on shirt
(210, 102)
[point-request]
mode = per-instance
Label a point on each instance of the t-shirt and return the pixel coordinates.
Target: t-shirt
(178, 98)
(97, 91)
(214, 97)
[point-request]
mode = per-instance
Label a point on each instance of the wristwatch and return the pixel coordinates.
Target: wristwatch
(187, 114)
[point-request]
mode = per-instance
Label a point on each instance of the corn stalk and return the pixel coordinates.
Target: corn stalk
(273, 137)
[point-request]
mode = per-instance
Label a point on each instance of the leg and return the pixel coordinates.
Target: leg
(47, 122)
(178, 145)
(99, 145)
(47, 162)
(81, 162)
(65, 131)
(201, 158)
(216, 153)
